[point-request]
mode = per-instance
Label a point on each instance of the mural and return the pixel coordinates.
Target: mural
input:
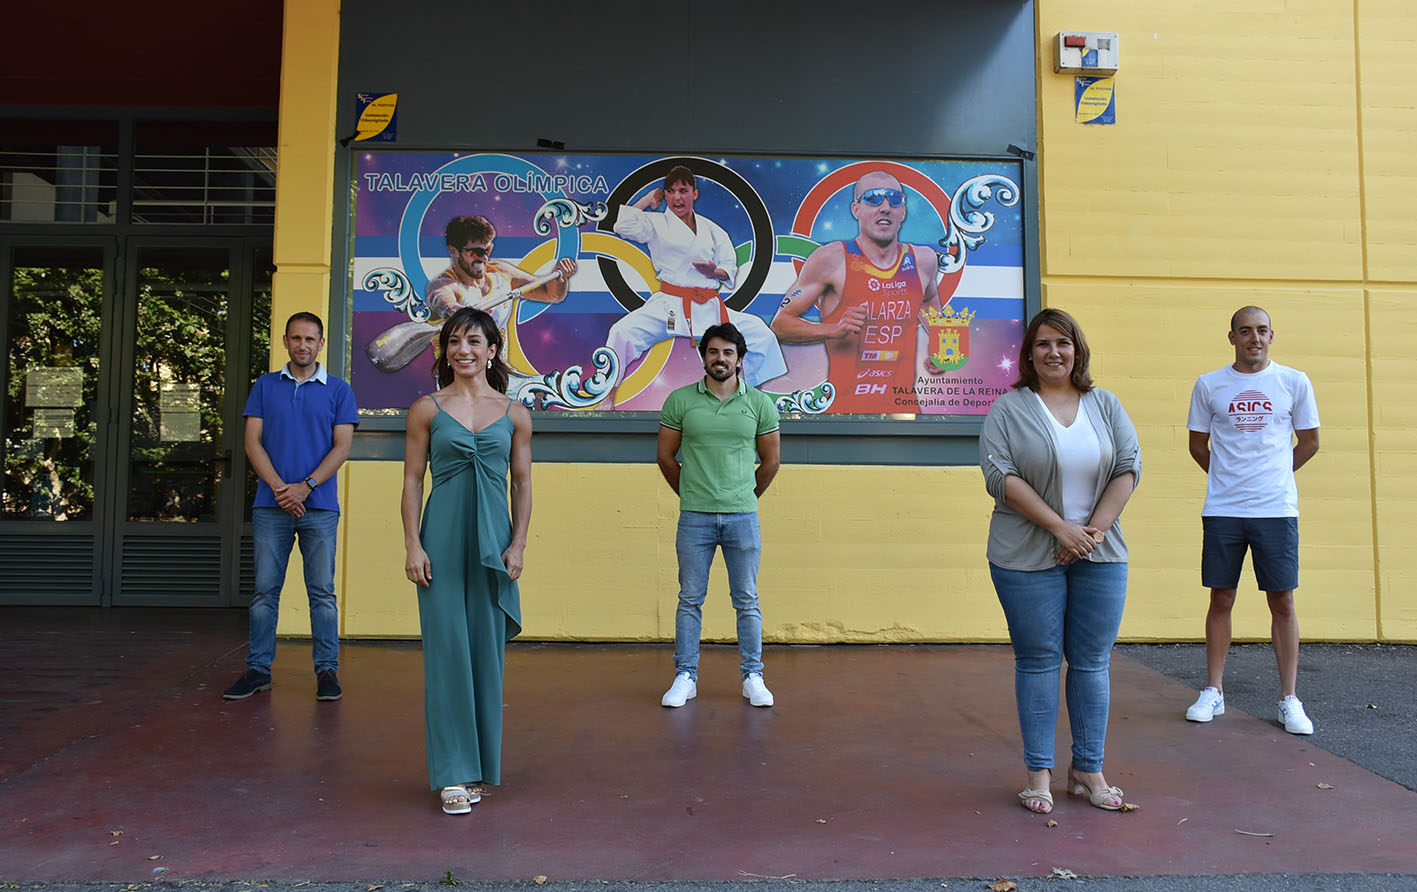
(862, 287)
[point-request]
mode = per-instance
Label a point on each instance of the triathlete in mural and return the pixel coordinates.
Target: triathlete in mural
(870, 293)
(1061, 459)
(476, 280)
(697, 266)
(466, 555)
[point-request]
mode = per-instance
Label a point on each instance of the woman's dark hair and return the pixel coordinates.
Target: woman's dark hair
(498, 373)
(1069, 328)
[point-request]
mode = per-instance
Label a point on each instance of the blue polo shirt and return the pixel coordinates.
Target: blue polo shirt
(298, 421)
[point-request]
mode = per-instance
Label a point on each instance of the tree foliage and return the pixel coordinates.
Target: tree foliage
(55, 320)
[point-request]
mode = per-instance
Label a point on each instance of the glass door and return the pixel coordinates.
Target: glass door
(181, 472)
(56, 319)
(128, 363)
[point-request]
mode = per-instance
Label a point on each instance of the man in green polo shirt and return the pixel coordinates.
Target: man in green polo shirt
(722, 428)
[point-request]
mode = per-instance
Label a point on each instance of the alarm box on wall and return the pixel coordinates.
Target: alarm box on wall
(1086, 52)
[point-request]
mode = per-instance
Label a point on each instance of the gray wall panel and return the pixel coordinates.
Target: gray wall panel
(932, 77)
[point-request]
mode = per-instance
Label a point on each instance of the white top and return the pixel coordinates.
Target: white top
(446, 295)
(673, 246)
(1079, 461)
(1251, 420)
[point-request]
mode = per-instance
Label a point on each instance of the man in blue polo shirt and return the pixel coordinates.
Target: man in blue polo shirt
(299, 427)
(721, 427)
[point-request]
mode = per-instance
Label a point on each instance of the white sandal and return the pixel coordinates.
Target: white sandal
(457, 800)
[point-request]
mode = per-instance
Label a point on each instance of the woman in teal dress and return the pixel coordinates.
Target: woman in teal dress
(467, 554)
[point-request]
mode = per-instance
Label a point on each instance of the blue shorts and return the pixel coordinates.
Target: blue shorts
(1273, 543)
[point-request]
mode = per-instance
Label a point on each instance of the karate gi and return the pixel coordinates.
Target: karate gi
(673, 248)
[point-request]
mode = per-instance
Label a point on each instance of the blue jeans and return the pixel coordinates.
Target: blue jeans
(1069, 611)
(699, 534)
(273, 532)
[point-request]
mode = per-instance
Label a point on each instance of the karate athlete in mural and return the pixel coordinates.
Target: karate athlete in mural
(870, 292)
(693, 258)
(473, 280)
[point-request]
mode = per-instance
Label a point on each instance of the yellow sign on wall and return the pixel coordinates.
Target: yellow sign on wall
(1096, 100)
(376, 117)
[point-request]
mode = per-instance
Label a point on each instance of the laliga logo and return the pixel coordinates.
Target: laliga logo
(873, 284)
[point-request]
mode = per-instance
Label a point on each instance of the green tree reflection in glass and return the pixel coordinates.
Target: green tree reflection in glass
(180, 349)
(55, 321)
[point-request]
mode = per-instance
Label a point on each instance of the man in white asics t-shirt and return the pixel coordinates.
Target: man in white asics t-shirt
(1252, 425)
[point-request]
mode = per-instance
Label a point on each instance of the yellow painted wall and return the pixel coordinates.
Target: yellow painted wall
(841, 562)
(1387, 38)
(1262, 154)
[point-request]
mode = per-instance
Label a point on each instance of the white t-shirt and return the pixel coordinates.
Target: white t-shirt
(1251, 420)
(1079, 464)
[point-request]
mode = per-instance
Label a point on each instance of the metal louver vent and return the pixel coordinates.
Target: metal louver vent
(47, 569)
(247, 570)
(170, 570)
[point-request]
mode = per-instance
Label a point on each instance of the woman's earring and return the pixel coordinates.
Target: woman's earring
(489, 363)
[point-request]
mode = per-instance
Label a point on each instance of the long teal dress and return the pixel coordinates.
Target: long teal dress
(473, 608)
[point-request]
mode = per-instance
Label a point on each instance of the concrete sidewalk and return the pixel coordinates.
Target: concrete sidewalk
(119, 763)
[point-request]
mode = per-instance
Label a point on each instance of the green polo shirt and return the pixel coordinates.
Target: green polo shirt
(720, 445)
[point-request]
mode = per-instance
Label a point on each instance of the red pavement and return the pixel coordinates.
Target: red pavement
(120, 762)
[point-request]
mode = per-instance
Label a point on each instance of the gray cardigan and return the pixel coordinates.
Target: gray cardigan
(1018, 440)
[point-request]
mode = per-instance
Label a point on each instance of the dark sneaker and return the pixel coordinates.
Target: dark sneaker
(327, 686)
(248, 684)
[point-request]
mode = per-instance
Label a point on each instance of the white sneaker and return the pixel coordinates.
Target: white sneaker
(756, 692)
(682, 691)
(1291, 713)
(1208, 705)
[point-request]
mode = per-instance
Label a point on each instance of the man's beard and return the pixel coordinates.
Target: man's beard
(720, 372)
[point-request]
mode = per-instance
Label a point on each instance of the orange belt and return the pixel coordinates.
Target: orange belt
(693, 296)
(697, 295)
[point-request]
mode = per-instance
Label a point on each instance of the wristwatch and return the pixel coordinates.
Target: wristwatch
(310, 482)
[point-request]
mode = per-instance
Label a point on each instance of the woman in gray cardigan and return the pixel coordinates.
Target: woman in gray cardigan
(1060, 457)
